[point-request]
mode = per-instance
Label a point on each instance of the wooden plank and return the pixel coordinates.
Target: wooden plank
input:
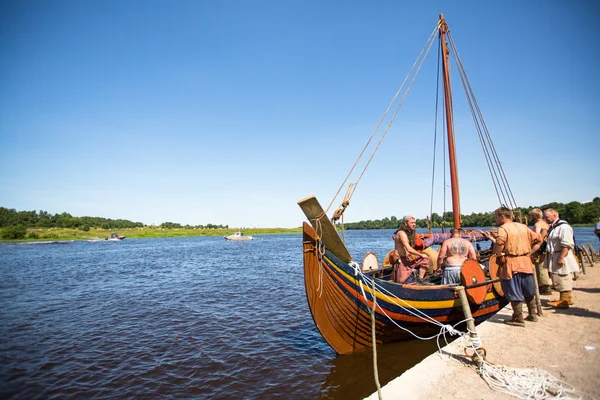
(587, 254)
(324, 228)
(592, 252)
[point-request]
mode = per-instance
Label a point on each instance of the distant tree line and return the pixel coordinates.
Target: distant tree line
(574, 212)
(43, 219)
(18, 221)
(175, 225)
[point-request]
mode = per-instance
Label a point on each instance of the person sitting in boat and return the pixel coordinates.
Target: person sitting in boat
(409, 258)
(456, 251)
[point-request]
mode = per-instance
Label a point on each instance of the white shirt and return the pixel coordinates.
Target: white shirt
(559, 237)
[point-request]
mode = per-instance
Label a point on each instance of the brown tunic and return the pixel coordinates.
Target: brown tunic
(518, 240)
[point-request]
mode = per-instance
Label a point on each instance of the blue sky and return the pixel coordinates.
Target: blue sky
(229, 112)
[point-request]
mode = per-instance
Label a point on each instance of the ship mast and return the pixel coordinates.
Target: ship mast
(450, 123)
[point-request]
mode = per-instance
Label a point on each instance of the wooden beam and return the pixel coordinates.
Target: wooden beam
(324, 228)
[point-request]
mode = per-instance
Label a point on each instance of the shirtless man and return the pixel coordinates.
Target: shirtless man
(537, 256)
(410, 259)
(456, 250)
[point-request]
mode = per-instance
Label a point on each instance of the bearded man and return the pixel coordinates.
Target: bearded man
(560, 260)
(409, 258)
(515, 269)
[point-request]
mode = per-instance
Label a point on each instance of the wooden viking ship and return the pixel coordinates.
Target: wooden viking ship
(341, 292)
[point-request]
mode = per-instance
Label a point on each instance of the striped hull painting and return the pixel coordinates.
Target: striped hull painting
(341, 311)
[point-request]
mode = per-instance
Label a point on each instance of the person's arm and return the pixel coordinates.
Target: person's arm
(472, 254)
(441, 256)
(500, 242)
(407, 246)
(536, 241)
(488, 236)
(566, 243)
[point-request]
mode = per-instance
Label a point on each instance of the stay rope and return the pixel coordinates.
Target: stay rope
(503, 190)
(420, 60)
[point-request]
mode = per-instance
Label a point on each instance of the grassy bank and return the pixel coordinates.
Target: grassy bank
(145, 232)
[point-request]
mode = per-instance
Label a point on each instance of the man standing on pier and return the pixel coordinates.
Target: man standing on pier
(560, 259)
(515, 269)
(538, 256)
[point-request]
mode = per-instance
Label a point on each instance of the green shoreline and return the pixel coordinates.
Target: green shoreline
(45, 234)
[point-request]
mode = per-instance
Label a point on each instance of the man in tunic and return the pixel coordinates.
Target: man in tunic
(597, 228)
(515, 269)
(456, 250)
(538, 256)
(410, 259)
(559, 258)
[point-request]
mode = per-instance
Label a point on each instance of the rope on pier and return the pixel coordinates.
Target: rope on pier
(527, 383)
(523, 383)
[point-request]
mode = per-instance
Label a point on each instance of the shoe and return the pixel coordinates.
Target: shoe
(569, 297)
(531, 308)
(563, 302)
(513, 322)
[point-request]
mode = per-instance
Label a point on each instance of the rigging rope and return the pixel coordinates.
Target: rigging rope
(420, 57)
(503, 189)
(437, 98)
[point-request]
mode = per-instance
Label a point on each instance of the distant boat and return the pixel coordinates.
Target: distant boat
(238, 237)
(115, 238)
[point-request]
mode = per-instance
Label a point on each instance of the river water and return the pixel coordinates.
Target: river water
(194, 317)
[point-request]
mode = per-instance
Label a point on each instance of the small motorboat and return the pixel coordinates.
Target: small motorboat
(238, 237)
(115, 238)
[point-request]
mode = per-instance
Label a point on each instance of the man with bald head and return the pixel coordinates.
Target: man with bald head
(559, 258)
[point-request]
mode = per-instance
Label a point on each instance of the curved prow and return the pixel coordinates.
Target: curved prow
(324, 228)
(326, 300)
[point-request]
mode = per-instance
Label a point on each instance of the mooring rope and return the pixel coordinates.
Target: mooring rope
(444, 328)
(523, 383)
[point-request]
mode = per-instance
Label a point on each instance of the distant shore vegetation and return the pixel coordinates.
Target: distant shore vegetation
(575, 213)
(33, 225)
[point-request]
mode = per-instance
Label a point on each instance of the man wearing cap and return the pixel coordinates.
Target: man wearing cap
(515, 269)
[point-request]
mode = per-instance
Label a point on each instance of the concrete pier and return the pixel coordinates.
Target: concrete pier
(565, 343)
